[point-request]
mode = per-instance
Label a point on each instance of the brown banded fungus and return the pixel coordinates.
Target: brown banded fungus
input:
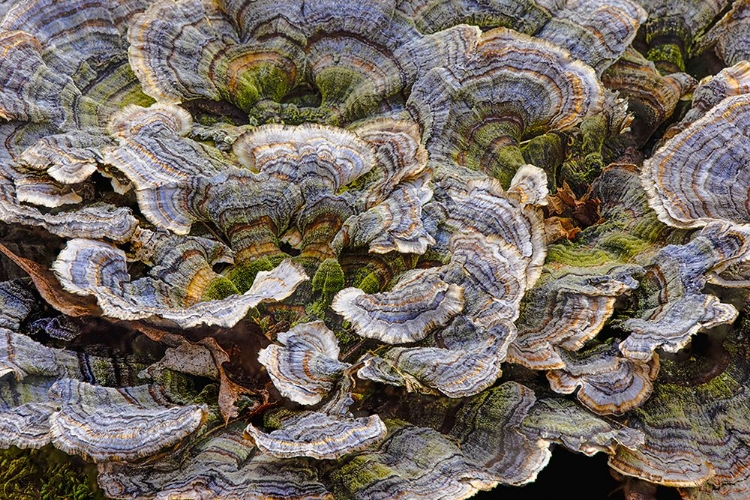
(677, 310)
(651, 96)
(313, 434)
(671, 29)
(222, 464)
(731, 81)
(87, 267)
(565, 310)
(417, 305)
(594, 31)
(254, 57)
(563, 421)
(318, 249)
(305, 368)
(454, 373)
(44, 400)
(606, 381)
(118, 424)
(699, 175)
(728, 36)
(695, 426)
(65, 78)
(511, 87)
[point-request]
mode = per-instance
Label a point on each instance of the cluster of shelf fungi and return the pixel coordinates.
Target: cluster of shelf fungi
(373, 249)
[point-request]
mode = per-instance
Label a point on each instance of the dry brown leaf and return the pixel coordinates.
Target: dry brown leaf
(229, 391)
(51, 290)
(559, 228)
(582, 211)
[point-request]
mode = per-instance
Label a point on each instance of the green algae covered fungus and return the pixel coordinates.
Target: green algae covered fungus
(374, 249)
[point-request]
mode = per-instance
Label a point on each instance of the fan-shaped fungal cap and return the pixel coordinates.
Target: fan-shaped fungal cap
(594, 31)
(79, 37)
(32, 91)
(672, 329)
(375, 368)
(513, 85)
(104, 423)
(155, 157)
(494, 277)
(93, 221)
(419, 303)
(456, 373)
(482, 207)
(699, 175)
(157, 120)
(26, 425)
(677, 310)
(483, 448)
(191, 50)
(87, 267)
(491, 440)
(731, 81)
(103, 221)
(159, 249)
(606, 382)
(652, 97)
(355, 65)
(399, 154)
(326, 155)
(435, 15)
(394, 225)
(67, 158)
(414, 462)
(320, 436)
(306, 367)
(183, 262)
(466, 362)
(529, 186)
(16, 302)
(220, 465)
(20, 356)
(696, 428)
(566, 309)
(729, 35)
(36, 189)
(565, 422)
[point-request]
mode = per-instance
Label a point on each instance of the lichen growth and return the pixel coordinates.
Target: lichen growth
(46, 473)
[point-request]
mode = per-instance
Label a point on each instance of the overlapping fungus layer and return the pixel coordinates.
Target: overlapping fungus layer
(375, 249)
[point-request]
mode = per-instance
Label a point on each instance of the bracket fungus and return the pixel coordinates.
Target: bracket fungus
(319, 436)
(671, 29)
(220, 465)
(607, 382)
(417, 305)
(714, 186)
(87, 267)
(510, 87)
(670, 323)
(376, 249)
(306, 367)
(727, 36)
